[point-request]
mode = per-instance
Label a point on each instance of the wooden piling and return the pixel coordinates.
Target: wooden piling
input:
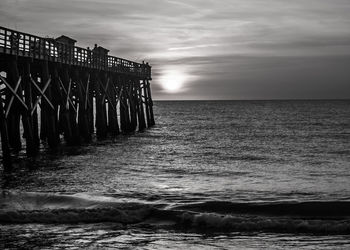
(132, 106)
(150, 103)
(83, 80)
(147, 108)
(113, 127)
(124, 108)
(101, 119)
(6, 154)
(49, 114)
(91, 93)
(34, 111)
(127, 106)
(140, 108)
(12, 107)
(66, 121)
(32, 139)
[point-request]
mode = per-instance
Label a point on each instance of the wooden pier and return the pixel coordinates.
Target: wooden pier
(50, 87)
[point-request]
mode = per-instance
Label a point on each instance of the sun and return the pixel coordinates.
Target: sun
(172, 81)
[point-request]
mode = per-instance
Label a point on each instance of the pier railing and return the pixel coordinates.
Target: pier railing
(26, 45)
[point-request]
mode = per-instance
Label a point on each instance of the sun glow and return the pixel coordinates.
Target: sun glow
(172, 81)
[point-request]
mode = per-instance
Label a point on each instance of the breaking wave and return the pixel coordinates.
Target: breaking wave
(213, 216)
(310, 208)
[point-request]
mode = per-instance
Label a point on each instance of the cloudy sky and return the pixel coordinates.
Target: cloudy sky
(209, 49)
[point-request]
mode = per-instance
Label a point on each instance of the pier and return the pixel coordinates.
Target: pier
(50, 88)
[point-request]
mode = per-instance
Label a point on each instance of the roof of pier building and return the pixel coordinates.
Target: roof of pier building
(66, 40)
(100, 50)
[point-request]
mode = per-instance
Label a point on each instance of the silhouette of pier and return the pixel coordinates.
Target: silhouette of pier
(50, 88)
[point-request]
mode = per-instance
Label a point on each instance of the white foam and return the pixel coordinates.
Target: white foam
(57, 208)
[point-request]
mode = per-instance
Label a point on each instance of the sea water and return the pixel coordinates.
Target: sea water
(209, 175)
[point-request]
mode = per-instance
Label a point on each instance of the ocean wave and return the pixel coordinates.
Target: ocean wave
(205, 216)
(67, 216)
(58, 208)
(219, 222)
(309, 208)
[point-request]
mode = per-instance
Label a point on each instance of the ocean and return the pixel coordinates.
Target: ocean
(209, 175)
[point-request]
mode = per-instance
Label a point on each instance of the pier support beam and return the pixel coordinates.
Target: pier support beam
(90, 92)
(30, 130)
(100, 81)
(83, 91)
(132, 106)
(67, 112)
(124, 107)
(140, 108)
(150, 103)
(6, 155)
(49, 113)
(12, 107)
(147, 108)
(113, 126)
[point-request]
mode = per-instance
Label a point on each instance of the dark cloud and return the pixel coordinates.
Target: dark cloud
(223, 49)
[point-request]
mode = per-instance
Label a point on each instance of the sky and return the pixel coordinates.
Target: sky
(209, 49)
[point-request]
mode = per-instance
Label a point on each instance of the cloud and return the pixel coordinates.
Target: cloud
(246, 41)
(194, 47)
